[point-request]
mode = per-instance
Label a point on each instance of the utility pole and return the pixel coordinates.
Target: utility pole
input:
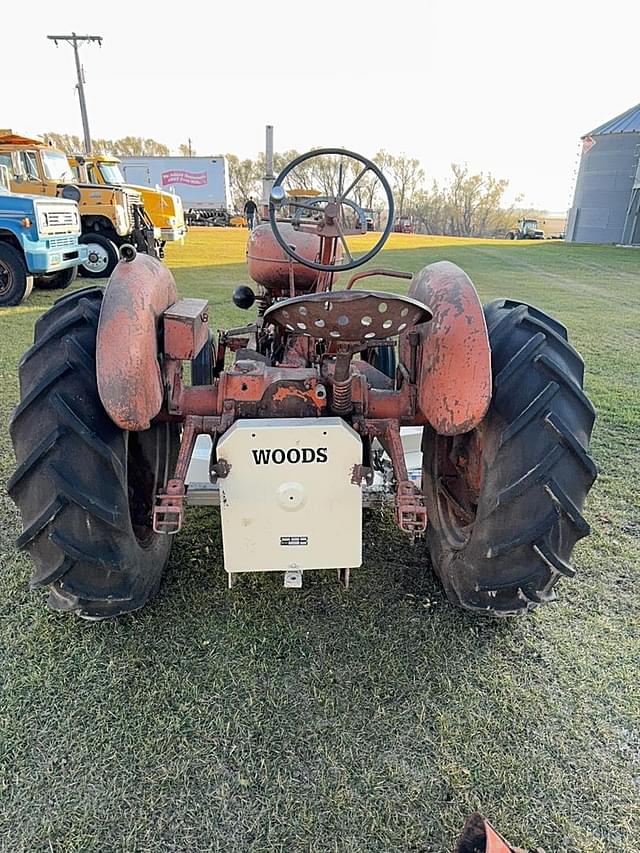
(74, 40)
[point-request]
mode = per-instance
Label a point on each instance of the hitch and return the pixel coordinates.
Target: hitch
(168, 512)
(411, 513)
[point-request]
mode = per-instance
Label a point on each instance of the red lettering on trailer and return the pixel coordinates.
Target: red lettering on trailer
(179, 176)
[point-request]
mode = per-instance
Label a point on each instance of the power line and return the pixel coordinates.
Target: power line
(74, 40)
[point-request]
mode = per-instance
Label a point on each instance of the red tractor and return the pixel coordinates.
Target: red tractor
(303, 404)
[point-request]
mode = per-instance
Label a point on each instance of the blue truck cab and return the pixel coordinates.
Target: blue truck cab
(38, 243)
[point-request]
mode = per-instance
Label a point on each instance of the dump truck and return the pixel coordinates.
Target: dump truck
(526, 229)
(38, 243)
(110, 216)
(164, 208)
(303, 404)
(201, 182)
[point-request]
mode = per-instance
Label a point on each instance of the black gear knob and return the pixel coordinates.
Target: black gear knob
(243, 296)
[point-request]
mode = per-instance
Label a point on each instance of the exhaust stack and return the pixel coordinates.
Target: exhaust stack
(269, 177)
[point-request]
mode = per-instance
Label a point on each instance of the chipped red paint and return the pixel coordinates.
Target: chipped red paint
(185, 328)
(252, 389)
(128, 373)
(454, 358)
(271, 267)
(443, 375)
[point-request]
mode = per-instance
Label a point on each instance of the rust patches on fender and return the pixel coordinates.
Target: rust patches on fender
(128, 373)
(454, 357)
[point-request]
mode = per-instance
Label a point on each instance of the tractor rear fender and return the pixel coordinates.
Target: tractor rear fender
(128, 372)
(453, 373)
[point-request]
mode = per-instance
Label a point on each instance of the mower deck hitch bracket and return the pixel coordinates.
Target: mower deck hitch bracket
(410, 514)
(168, 512)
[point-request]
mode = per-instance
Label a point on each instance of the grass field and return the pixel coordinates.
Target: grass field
(263, 719)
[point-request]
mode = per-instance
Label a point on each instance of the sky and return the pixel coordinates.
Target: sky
(506, 87)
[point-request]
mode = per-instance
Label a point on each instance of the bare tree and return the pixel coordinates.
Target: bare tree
(468, 206)
(136, 146)
(69, 143)
(406, 175)
(127, 146)
(244, 179)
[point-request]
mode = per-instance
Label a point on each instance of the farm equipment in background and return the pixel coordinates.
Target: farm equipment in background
(207, 218)
(370, 218)
(38, 243)
(164, 209)
(110, 216)
(404, 225)
(303, 405)
(526, 229)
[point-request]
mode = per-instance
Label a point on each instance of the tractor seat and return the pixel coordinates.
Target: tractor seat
(347, 315)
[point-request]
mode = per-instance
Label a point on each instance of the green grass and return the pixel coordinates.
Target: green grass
(263, 719)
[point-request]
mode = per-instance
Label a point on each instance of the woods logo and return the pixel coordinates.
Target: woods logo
(179, 176)
(294, 455)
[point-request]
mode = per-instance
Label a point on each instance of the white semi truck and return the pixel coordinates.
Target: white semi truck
(201, 182)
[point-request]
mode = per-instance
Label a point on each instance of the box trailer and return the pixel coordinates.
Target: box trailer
(201, 182)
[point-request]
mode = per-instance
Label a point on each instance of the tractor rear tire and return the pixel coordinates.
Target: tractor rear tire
(202, 365)
(85, 487)
(504, 501)
(384, 358)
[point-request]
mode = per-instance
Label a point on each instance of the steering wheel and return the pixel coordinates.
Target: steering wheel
(331, 225)
(298, 222)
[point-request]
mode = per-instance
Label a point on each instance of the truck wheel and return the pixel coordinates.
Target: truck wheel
(103, 256)
(504, 501)
(57, 280)
(85, 487)
(13, 276)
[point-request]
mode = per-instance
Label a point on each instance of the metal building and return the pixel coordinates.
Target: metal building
(606, 204)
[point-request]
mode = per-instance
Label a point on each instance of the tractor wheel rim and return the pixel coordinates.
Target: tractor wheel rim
(6, 278)
(98, 258)
(457, 500)
(148, 462)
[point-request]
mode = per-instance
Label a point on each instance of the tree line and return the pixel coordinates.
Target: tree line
(127, 146)
(465, 204)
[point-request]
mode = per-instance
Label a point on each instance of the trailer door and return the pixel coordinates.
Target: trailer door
(135, 174)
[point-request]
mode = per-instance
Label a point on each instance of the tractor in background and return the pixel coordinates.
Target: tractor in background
(526, 229)
(304, 404)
